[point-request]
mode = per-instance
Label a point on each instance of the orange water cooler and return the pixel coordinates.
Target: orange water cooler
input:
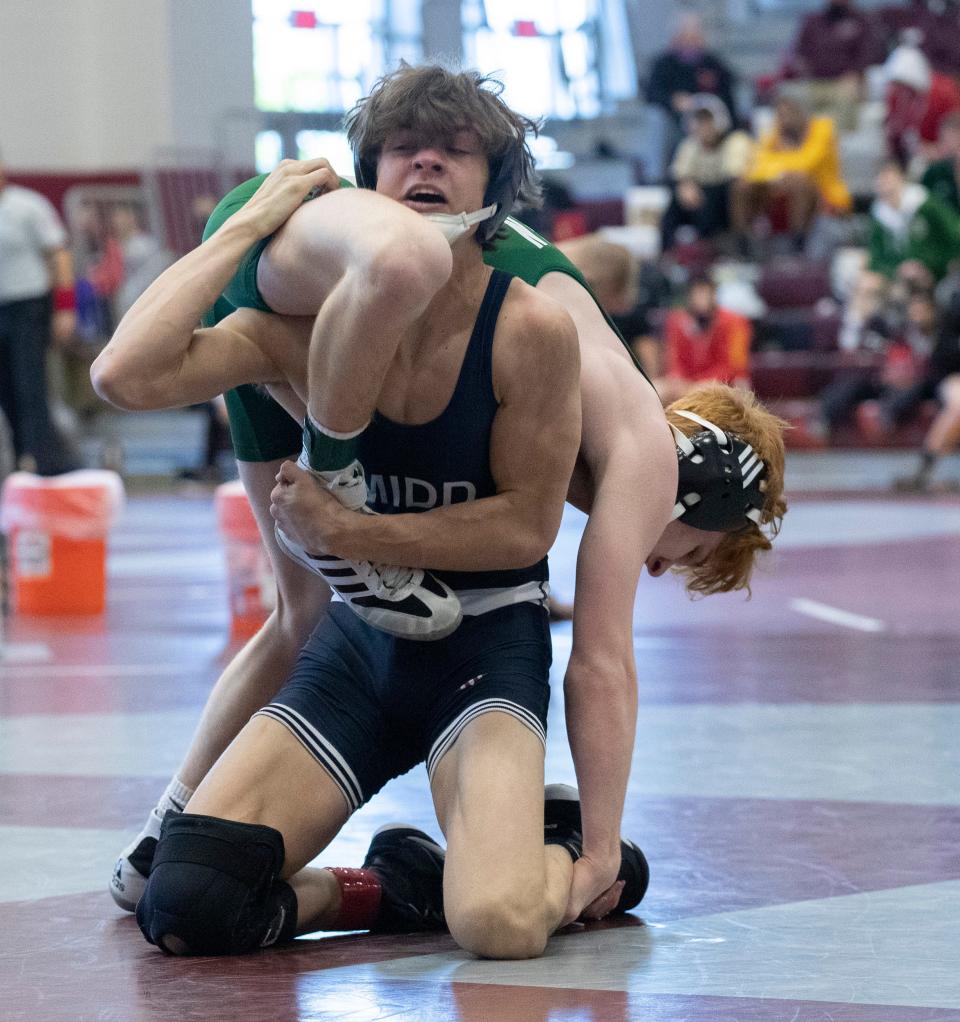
(252, 590)
(57, 529)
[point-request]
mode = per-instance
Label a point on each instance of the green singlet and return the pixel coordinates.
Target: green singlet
(261, 429)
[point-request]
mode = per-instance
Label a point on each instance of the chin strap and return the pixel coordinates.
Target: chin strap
(455, 225)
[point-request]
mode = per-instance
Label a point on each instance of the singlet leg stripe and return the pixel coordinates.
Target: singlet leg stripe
(453, 730)
(321, 750)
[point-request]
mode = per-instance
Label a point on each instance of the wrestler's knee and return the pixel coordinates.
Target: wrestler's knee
(498, 927)
(399, 253)
(214, 888)
(405, 274)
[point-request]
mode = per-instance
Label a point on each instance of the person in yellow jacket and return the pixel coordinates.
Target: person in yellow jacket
(796, 168)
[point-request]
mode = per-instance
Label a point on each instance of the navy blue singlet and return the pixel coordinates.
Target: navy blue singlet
(447, 461)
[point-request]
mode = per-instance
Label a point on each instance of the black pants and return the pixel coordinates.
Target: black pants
(709, 219)
(24, 339)
(841, 396)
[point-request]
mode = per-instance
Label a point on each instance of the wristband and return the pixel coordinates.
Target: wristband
(64, 298)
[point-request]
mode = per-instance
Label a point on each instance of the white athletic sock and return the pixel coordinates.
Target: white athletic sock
(175, 797)
(332, 433)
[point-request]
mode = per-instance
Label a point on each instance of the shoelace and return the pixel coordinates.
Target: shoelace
(388, 580)
(385, 580)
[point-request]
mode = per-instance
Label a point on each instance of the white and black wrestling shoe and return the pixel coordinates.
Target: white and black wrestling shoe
(406, 602)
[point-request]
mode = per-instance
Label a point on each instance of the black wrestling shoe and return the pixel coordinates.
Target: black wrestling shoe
(561, 818)
(635, 872)
(409, 866)
(562, 825)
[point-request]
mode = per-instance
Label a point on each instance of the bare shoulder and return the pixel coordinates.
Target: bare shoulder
(535, 334)
(623, 421)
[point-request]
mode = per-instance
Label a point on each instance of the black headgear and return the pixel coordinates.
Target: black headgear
(506, 176)
(719, 485)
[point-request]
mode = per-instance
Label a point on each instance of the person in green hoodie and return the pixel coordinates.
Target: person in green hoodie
(913, 236)
(942, 177)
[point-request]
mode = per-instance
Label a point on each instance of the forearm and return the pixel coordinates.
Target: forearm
(61, 268)
(601, 711)
(490, 534)
(154, 337)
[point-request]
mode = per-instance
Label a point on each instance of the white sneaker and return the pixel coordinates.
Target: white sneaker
(406, 602)
(348, 485)
(129, 877)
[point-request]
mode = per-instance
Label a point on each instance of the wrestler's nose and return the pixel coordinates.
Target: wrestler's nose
(658, 566)
(428, 158)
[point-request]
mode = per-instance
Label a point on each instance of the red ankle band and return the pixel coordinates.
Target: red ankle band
(359, 899)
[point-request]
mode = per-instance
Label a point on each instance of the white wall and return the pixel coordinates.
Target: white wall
(101, 84)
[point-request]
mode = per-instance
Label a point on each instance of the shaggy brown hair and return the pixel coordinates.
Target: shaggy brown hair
(435, 103)
(737, 411)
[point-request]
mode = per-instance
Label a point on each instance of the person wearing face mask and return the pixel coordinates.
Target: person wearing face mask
(830, 54)
(704, 343)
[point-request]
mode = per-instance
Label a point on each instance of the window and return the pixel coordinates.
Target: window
(557, 58)
(323, 58)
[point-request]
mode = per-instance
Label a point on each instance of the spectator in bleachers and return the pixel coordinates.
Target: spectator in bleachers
(935, 26)
(913, 241)
(708, 161)
(913, 235)
(37, 306)
(685, 69)
(942, 382)
(796, 168)
(918, 100)
(704, 343)
(143, 256)
(902, 336)
(609, 269)
(942, 177)
(631, 292)
(832, 50)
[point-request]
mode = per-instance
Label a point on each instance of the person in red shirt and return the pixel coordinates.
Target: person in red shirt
(704, 343)
(918, 100)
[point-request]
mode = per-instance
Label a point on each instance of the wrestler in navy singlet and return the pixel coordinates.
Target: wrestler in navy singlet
(369, 706)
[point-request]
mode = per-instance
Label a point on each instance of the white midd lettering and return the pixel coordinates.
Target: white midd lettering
(469, 490)
(418, 493)
(429, 498)
(376, 490)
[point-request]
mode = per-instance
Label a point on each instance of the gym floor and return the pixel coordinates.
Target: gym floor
(796, 787)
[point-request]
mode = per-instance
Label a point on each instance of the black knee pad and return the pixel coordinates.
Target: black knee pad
(213, 888)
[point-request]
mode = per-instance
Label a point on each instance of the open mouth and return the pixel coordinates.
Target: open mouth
(425, 197)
